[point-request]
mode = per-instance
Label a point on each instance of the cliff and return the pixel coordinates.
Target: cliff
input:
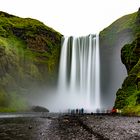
(29, 57)
(128, 97)
(113, 71)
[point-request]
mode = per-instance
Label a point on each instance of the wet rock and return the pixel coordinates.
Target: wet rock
(39, 109)
(30, 127)
(42, 134)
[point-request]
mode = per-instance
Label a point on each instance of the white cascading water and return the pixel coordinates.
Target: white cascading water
(79, 73)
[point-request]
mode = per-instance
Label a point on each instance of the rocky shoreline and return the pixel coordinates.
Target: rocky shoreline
(70, 127)
(113, 127)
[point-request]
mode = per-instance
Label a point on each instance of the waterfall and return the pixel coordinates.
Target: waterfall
(79, 73)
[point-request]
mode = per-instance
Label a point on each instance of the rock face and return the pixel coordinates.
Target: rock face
(112, 39)
(29, 56)
(39, 109)
(128, 96)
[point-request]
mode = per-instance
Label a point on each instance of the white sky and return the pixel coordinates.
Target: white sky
(72, 17)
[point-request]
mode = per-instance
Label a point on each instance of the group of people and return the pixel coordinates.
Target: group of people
(76, 111)
(98, 111)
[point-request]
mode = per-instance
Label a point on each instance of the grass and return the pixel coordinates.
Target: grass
(128, 97)
(124, 24)
(26, 46)
(131, 110)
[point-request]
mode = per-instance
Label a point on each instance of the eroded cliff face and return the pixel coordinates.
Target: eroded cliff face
(128, 97)
(113, 71)
(29, 58)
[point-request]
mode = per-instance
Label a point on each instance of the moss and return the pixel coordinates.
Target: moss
(29, 55)
(17, 102)
(130, 54)
(121, 96)
(6, 80)
(138, 98)
(132, 110)
(11, 101)
(31, 38)
(123, 26)
(128, 97)
(3, 98)
(14, 103)
(124, 32)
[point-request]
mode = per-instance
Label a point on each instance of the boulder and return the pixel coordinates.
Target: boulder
(39, 109)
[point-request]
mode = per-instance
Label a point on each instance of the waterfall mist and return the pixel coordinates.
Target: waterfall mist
(78, 78)
(79, 73)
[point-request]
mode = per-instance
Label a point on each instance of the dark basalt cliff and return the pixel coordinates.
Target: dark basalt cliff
(29, 57)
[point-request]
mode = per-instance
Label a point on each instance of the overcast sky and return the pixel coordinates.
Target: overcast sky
(72, 17)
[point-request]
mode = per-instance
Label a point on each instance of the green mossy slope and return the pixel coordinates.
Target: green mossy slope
(128, 97)
(112, 39)
(126, 25)
(29, 57)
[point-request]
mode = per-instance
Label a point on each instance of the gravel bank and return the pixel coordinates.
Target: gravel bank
(69, 127)
(46, 127)
(114, 127)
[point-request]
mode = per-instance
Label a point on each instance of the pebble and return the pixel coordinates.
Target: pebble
(30, 127)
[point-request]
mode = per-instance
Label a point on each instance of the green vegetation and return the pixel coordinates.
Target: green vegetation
(125, 33)
(14, 103)
(126, 25)
(128, 97)
(29, 55)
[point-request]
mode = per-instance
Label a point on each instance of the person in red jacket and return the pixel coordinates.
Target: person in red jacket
(114, 110)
